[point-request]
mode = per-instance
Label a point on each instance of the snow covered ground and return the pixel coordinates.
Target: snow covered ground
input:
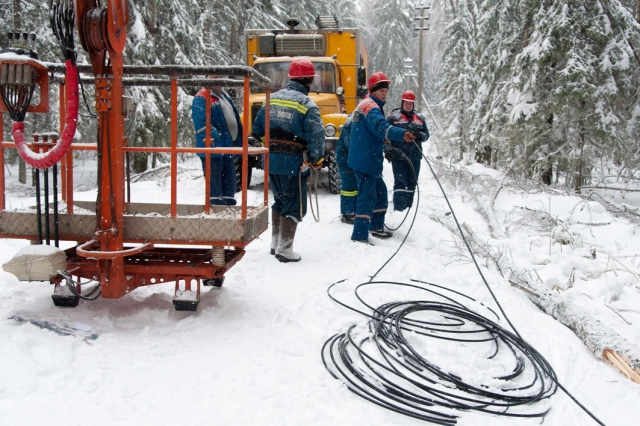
(250, 355)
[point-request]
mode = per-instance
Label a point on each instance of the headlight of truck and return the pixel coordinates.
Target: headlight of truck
(329, 130)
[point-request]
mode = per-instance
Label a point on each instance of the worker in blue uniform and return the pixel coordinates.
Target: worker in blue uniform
(296, 143)
(405, 157)
(226, 131)
(369, 132)
(348, 184)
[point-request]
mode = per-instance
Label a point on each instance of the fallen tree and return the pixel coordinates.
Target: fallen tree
(604, 342)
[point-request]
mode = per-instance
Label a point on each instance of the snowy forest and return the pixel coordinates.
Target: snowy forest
(539, 89)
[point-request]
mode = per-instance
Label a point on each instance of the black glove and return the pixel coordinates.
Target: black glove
(388, 155)
(418, 135)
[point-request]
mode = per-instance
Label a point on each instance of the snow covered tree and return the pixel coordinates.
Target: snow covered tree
(160, 32)
(389, 34)
(460, 78)
(574, 92)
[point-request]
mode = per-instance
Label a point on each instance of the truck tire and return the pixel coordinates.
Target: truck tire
(334, 175)
(237, 162)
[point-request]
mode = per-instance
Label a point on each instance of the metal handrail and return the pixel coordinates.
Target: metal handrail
(82, 251)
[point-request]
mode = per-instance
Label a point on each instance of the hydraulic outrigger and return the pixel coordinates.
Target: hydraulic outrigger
(117, 246)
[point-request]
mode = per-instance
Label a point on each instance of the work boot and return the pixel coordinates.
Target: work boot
(348, 218)
(367, 242)
(381, 233)
(275, 230)
(284, 252)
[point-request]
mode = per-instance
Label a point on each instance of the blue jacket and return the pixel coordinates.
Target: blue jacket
(219, 130)
(413, 122)
(368, 133)
(293, 111)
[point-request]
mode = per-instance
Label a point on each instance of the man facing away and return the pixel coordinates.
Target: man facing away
(226, 131)
(369, 132)
(348, 184)
(296, 143)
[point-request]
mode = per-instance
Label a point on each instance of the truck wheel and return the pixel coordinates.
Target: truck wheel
(334, 176)
(237, 162)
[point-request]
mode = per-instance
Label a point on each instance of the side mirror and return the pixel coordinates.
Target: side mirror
(362, 76)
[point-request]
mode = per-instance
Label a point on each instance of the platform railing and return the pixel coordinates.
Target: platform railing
(172, 72)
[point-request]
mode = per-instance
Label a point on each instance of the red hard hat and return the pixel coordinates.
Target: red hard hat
(409, 96)
(301, 68)
(378, 77)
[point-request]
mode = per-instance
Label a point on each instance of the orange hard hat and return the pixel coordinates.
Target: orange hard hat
(377, 78)
(301, 68)
(409, 96)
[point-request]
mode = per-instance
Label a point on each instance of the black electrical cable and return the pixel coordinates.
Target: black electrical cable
(17, 98)
(382, 367)
(417, 201)
(62, 19)
(90, 114)
(71, 284)
(47, 230)
(38, 205)
(357, 361)
(491, 291)
(56, 229)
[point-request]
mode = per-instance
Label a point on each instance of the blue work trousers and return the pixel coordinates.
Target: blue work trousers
(348, 191)
(290, 195)
(222, 181)
(371, 206)
(405, 176)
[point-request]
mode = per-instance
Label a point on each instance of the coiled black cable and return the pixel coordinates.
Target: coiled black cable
(382, 367)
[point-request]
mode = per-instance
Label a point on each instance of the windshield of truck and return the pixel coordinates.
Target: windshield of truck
(277, 72)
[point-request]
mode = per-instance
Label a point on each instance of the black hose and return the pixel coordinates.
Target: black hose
(484, 280)
(56, 231)
(71, 284)
(383, 367)
(47, 231)
(38, 205)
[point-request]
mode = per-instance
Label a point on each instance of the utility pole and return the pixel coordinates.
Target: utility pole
(422, 23)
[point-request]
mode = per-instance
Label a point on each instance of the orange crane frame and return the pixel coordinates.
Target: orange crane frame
(103, 256)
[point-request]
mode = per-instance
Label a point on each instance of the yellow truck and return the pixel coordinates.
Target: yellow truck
(340, 60)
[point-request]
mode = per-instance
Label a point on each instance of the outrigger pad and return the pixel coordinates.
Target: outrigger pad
(63, 297)
(214, 282)
(186, 300)
(185, 305)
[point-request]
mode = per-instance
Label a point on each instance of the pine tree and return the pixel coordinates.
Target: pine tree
(575, 85)
(388, 31)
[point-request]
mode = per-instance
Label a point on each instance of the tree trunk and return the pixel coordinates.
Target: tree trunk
(139, 162)
(17, 25)
(577, 174)
(234, 45)
(22, 171)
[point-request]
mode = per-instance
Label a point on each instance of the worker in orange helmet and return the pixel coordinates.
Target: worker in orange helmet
(405, 157)
(369, 132)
